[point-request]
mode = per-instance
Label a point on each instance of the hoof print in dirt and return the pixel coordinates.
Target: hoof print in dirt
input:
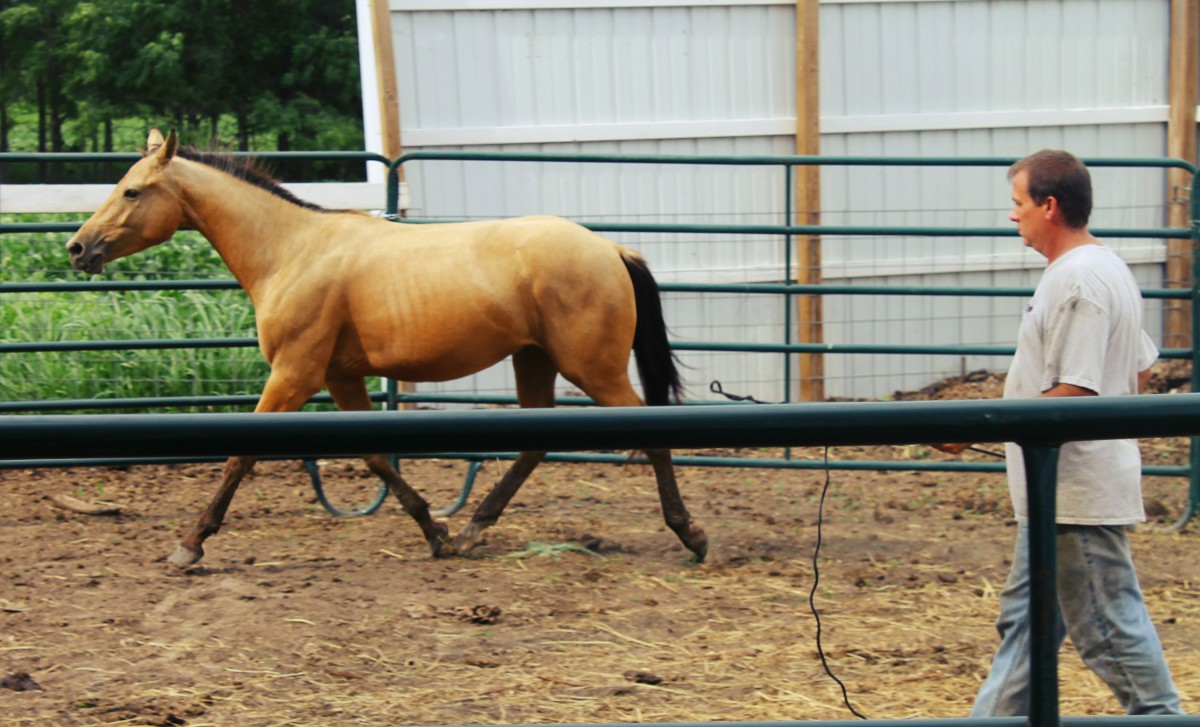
(478, 614)
(642, 677)
(481, 662)
(597, 544)
(20, 682)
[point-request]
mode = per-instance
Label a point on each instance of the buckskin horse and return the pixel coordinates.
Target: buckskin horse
(340, 295)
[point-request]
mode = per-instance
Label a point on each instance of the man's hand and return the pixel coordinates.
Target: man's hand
(951, 448)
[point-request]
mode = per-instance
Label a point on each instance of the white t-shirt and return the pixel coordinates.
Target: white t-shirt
(1083, 326)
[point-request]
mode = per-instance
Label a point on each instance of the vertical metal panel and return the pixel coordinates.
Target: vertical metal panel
(593, 65)
(978, 56)
(599, 68)
(1007, 54)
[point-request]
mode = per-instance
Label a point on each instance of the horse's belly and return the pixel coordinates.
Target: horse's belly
(405, 332)
(423, 363)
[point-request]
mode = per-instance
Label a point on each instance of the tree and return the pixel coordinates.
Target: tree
(267, 74)
(36, 54)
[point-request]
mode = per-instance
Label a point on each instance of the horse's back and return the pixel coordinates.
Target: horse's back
(437, 301)
(535, 254)
(544, 235)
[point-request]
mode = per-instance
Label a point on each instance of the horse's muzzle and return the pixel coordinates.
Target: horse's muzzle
(88, 257)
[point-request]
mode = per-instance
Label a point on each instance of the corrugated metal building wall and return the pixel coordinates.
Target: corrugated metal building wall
(923, 78)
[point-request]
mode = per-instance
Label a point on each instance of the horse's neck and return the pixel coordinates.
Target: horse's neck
(255, 232)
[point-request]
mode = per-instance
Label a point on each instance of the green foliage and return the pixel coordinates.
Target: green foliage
(80, 75)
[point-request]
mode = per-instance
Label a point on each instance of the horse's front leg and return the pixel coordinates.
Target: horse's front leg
(535, 372)
(351, 395)
(282, 393)
(191, 548)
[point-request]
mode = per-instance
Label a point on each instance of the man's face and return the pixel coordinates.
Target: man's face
(1030, 217)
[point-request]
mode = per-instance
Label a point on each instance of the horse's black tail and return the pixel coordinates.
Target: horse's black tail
(655, 362)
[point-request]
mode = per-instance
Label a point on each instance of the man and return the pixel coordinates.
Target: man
(1080, 335)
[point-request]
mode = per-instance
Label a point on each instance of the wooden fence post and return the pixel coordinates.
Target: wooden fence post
(1181, 144)
(809, 315)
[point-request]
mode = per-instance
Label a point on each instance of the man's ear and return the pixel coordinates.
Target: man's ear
(1051, 205)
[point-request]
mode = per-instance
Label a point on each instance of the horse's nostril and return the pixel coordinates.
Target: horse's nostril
(74, 248)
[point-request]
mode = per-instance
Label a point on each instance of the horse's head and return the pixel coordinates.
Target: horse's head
(142, 211)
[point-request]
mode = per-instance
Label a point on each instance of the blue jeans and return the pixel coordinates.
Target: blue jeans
(1100, 608)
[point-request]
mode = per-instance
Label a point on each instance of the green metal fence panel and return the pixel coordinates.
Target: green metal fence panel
(785, 290)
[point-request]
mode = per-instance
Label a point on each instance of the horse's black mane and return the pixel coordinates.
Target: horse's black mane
(247, 170)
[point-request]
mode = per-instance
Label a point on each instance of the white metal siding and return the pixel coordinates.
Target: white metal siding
(593, 66)
(925, 78)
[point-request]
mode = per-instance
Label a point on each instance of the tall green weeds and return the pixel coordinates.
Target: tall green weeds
(93, 316)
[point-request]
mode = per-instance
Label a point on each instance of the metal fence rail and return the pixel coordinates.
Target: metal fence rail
(1040, 426)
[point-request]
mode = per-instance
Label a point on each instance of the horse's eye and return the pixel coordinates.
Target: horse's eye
(132, 193)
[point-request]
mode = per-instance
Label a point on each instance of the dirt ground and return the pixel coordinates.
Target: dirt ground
(579, 607)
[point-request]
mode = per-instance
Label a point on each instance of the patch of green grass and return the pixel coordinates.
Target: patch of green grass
(100, 315)
(552, 550)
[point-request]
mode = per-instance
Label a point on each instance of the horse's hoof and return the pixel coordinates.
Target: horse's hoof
(468, 538)
(184, 557)
(439, 544)
(697, 542)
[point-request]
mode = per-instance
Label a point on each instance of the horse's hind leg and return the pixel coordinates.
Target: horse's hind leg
(351, 395)
(493, 505)
(675, 513)
(535, 374)
(617, 391)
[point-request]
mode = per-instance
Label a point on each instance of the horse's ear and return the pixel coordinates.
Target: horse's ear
(153, 141)
(166, 149)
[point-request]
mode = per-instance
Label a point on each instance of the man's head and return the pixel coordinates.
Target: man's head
(1051, 173)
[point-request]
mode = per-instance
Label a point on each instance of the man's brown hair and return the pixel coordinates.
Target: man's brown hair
(1058, 174)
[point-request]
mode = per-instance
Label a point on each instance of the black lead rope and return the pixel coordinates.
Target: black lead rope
(716, 388)
(812, 604)
(981, 450)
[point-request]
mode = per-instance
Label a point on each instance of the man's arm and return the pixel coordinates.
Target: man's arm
(1059, 390)
(1066, 390)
